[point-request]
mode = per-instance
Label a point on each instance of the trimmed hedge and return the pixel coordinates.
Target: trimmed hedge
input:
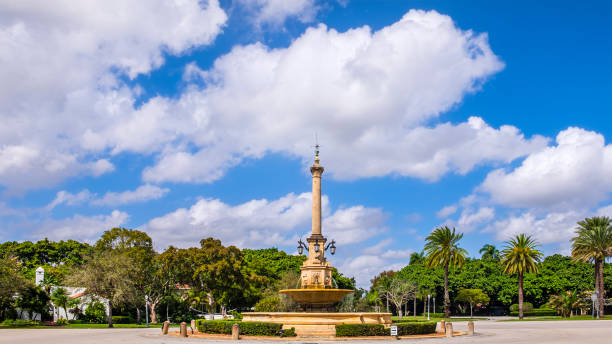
(527, 307)
(250, 328)
(540, 312)
(361, 330)
(403, 329)
(123, 319)
(407, 328)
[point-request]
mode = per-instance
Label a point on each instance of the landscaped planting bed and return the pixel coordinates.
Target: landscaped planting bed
(250, 328)
(403, 329)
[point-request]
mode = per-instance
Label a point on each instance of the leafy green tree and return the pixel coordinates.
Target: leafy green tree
(400, 291)
(566, 302)
(520, 256)
(593, 243)
(489, 251)
(417, 258)
(34, 300)
(442, 249)
(11, 282)
(139, 247)
(108, 274)
(381, 285)
(60, 299)
(472, 297)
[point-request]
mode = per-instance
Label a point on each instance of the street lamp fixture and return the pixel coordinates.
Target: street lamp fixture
(332, 247)
(301, 247)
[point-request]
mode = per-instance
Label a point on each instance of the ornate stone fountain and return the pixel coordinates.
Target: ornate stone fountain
(317, 294)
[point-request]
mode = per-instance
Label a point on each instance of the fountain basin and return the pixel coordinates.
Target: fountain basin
(317, 325)
(316, 296)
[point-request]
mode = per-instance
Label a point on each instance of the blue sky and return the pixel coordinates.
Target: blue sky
(197, 119)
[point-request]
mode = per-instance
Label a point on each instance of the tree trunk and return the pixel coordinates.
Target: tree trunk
(110, 314)
(446, 297)
(414, 304)
(424, 305)
(520, 295)
(601, 289)
(471, 314)
(138, 315)
(387, 299)
(152, 306)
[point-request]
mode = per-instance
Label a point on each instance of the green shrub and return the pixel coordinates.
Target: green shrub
(123, 319)
(269, 304)
(61, 322)
(539, 312)
(361, 330)
(417, 327)
(403, 329)
(20, 323)
(94, 313)
(237, 315)
(251, 328)
(527, 307)
(258, 328)
(290, 332)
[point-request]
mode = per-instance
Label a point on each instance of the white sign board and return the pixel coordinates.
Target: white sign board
(394, 330)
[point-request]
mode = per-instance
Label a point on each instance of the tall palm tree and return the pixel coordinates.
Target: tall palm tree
(489, 251)
(442, 249)
(593, 243)
(520, 256)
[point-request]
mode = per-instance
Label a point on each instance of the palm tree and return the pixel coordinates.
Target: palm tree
(593, 243)
(489, 251)
(520, 256)
(60, 299)
(442, 250)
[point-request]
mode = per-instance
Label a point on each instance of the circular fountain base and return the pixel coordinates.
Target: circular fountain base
(317, 325)
(316, 299)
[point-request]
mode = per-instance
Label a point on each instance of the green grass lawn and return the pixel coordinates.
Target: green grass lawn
(559, 318)
(424, 318)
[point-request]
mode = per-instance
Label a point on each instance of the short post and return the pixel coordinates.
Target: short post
(183, 329)
(443, 325)
(165, 327)
(235, 332)
(193, 326)
(470, 328)
(449, 330)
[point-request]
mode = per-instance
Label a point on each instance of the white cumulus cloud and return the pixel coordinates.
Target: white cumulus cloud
(574, 172)
(61, 63)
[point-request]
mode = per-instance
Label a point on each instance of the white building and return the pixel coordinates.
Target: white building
(76, 293)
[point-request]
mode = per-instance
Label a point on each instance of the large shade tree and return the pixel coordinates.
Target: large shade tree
(139, 247)
(109, 274)
(593, 243)
(521, 256)
(442, 249)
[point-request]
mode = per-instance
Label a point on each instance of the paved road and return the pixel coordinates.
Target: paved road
(540, 332)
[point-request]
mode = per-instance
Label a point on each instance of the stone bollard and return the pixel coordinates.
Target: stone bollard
(183, 329)
(449, 330)
(193, 327)
(443, 325)
(235, 332)
(165, 327)
(470, 328)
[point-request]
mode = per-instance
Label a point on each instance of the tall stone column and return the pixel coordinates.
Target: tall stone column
(317, 171)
